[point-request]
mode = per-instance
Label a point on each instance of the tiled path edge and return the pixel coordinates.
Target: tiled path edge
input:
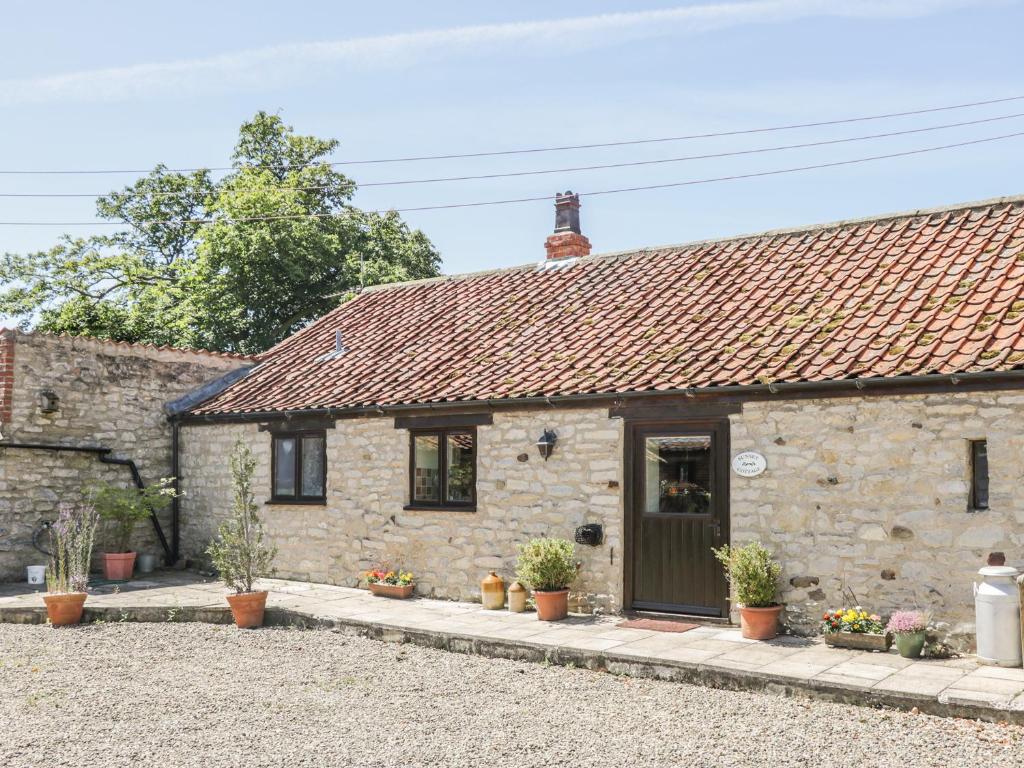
(293, 608)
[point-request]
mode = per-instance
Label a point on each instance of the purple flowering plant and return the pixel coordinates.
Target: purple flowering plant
(907, 622)
(71, 540)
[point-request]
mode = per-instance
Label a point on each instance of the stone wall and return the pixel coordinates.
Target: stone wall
(110, 395)
(866, 499)
(364, 524)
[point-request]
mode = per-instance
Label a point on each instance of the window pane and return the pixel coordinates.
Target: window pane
(284, 463)
(979, 480)
(312, 466)
(677, 475)
(426, 468)
(461, 455)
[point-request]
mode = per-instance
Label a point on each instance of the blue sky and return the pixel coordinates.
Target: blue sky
(87, 85)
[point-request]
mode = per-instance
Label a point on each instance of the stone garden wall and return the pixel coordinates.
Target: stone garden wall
(110, 395)
(364, 524)
(869, 497)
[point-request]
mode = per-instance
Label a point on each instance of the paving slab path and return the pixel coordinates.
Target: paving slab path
(714, 655)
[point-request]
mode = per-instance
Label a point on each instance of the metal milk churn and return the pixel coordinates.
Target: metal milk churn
(997, 616)
(492, 592)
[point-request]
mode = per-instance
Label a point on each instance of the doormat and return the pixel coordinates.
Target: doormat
(658, 625)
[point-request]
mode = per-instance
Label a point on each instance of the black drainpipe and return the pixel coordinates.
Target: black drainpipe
(175, 501)
(103, 454)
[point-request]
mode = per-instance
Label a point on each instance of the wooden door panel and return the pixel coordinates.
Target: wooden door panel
(678, 502)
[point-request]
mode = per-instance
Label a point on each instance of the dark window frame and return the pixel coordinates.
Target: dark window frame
(979, 487)
(298, 497)
(442, 459)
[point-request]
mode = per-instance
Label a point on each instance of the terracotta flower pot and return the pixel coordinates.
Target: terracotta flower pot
(399, 591)
(551, 606)
(65, 608)
(118, 566)
(760, 623)
(248, 608)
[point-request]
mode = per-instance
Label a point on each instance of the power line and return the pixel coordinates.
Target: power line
(689, 137)
(546, 171)
(534, 150)
(509, 201)
(686, 158)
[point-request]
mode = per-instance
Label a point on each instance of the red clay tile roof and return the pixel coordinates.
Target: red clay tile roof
(930, 292)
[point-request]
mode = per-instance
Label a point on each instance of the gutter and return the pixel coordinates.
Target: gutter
(734, 392)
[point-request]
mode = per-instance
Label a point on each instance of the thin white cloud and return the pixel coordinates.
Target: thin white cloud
(284, 64)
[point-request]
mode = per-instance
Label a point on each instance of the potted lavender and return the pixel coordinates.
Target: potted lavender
(909, 627)
(71, 538)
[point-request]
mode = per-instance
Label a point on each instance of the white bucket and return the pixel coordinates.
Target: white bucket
(36, 574)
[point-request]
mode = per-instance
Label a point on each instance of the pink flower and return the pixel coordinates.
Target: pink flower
(907, 622)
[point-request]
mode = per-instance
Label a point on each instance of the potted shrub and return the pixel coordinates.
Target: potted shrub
(71, 539)
(124, 508)
(239, 554)
(855, 628)
(754, 578)
(390, 583)
(909, 627)
(548, 567)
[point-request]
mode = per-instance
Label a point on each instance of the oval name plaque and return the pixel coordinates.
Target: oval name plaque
(749, 464)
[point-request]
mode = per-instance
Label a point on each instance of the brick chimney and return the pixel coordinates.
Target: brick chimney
(567, 241)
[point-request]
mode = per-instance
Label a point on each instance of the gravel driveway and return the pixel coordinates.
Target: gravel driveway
(173, 695)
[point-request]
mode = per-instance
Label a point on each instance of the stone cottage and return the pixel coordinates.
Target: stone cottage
(851, 394)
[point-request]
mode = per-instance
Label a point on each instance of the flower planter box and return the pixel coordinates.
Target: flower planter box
(860, 641)
(392, 590)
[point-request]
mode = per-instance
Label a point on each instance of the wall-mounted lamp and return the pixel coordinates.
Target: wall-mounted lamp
(546, 444)
(49, 402)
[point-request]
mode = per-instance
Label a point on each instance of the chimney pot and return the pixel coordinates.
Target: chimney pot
(567, 240)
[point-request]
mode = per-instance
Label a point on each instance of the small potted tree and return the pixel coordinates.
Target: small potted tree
(239, 554)
(754, 578)
(910, 629)
(125, 508)
(548, 567)
(71, 539)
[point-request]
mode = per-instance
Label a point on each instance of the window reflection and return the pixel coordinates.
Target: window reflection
(460, 467)
(677, 475)
(427, 479)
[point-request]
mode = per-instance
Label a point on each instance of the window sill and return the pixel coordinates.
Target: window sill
(436, 508)
(294, 502)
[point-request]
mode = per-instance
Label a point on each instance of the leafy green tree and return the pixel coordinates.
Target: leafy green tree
(235, 263)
